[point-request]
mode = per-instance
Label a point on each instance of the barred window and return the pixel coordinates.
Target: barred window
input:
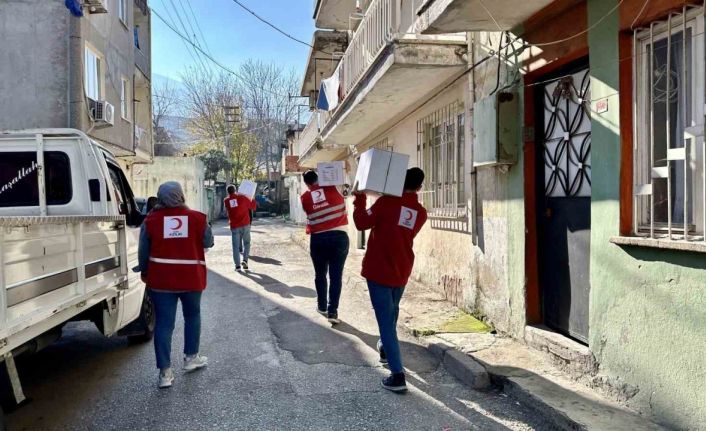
(441, 153)
(669, 158)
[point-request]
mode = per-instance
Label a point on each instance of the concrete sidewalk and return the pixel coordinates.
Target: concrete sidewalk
(560, 394)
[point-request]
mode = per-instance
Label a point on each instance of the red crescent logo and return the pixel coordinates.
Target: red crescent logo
(409, 216)
(178, 224)
(317, 194)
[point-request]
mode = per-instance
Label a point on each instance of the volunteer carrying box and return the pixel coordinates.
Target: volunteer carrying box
(247, 188)
(382, 172)
(331, 173)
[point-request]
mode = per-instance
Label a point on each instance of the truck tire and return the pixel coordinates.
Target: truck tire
(146, 321)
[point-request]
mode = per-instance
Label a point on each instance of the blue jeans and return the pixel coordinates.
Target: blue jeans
(165, 305)
(240, 237)
(386, 303)
(328, 252)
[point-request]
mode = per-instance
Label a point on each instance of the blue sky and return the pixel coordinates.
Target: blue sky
(232, 34)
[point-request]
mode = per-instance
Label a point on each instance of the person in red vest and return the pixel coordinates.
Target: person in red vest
(172, 262)
(326, 223)
(387, 264)
(239, 207)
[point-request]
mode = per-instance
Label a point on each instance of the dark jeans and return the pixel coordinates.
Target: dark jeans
(386, 303)
(165, 305)
(328, 252)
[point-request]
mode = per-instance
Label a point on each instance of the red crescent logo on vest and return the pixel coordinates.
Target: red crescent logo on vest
(318, 196)
(409, 215)
(177, 224)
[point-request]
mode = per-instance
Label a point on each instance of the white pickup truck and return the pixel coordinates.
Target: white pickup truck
(69, 230)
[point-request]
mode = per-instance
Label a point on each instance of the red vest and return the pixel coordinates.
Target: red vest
(325, 209)
(177, 260)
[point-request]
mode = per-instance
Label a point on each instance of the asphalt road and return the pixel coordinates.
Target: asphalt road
(275, 364)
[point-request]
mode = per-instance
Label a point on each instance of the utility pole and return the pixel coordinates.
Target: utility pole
(232, 116)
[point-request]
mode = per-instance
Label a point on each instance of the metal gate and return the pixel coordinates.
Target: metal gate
(565, 204)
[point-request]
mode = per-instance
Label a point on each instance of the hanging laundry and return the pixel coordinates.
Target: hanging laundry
(329, 93)
(74, 6)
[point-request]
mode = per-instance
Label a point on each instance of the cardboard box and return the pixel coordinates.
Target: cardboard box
(382, 172)
(247, 188)
(331, 173)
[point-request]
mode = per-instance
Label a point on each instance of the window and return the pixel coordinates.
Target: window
(124, 196)
(93, 74)
(669, 119)
(122, 11)
(441, 152)
(125, 98)
(19, 185)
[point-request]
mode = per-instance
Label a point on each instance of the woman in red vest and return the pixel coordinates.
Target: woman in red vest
(172, 262)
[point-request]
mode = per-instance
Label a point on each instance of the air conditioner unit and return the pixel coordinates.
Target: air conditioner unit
(95, 6)
(102, 111)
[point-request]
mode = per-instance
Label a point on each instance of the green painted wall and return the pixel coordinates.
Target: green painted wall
(648, 306)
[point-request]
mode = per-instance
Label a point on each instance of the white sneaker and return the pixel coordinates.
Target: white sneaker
(195, 362)
(166, 378)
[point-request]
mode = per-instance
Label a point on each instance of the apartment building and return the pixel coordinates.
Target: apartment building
(89, 72)
(564, 150)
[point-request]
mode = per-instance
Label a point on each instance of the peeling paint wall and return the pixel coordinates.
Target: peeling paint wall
(648, 324)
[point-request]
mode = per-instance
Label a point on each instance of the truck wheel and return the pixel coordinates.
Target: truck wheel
(146, 321)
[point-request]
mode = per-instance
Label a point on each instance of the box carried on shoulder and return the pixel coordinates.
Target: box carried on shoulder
(382, 171)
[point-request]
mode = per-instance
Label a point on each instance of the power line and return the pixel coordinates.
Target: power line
(208, 56)
(194, 55)
(278, 29)
(198, 27)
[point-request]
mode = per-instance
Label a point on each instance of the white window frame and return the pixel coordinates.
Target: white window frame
(437, 134)
(93, 73)
(645, 176)
(125, 98)
(122, 11)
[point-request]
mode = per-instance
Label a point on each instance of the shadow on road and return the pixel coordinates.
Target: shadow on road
(273, 285)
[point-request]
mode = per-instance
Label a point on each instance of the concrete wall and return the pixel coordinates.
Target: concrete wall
(647, 305)
(34, 66)
(42, 70)
(295, 187)
(188, 171)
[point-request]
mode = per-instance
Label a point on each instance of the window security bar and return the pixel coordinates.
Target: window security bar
(668, 127)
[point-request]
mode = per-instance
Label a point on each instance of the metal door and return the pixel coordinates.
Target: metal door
(564, 170)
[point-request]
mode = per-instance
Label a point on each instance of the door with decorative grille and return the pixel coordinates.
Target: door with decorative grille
(564, 173)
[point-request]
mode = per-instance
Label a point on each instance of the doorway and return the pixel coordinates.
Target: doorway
(563, 191)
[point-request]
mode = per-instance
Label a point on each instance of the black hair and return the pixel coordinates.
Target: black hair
(311, 177)
(414, 179)
(230, 189)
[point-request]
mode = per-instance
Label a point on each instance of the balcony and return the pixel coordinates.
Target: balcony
(310, 148)
(326, 51)
(142, 62)
(336, 14)
(452, 16)
(384, 73)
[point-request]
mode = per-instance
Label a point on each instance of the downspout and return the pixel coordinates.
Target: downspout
(474, 182)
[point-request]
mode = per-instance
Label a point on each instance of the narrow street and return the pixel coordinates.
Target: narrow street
(274, 364)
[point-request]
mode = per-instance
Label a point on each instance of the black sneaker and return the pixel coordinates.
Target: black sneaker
(239, 269)
(333, 318)
(381, 351)
(245, 265)
(322, 312)
(395, 383)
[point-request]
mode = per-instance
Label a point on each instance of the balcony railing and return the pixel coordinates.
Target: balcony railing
(142, 5)
(380, 24)
(308, 136)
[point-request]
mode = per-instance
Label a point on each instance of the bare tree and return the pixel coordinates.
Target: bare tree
(165, 101)
(206, 94)
(268, 108)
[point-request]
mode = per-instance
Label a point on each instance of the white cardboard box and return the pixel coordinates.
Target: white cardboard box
(382, 172)
(331, 173)
(247, 188)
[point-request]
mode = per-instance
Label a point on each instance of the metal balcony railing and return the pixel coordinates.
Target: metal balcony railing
(308, 136)
(377, 29)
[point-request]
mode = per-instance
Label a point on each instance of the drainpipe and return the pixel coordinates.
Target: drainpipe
(474, 182)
